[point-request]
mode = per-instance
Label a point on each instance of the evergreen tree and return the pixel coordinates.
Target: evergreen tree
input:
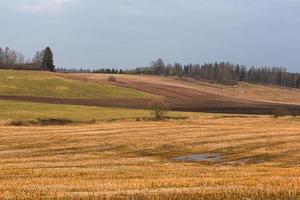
(47, 63)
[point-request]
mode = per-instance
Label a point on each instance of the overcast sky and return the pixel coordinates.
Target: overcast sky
(131, 33)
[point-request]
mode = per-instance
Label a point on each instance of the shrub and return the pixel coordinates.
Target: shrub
(112, 79)
(40, 122)
(159, 108)
(50, 121)
(18, 123)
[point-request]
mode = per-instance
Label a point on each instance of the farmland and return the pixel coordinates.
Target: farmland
(114, 149)
(188, 95)
(16, 110)
(126, 160)
(45, 84)
(149, 100)
(132, 91)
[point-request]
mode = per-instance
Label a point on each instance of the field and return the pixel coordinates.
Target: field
(255, 158)
(173, 88)
(114, 149)
(13, 110)
(188, 95)
(16, 110)
(45, 84)
(130, 91)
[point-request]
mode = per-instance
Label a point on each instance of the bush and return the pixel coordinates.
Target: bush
(40, 122)
(159, 108)
(112, 79)
(18, 123)
(50, 121)
(280, 112)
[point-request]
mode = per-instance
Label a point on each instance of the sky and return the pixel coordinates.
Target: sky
(132, 33)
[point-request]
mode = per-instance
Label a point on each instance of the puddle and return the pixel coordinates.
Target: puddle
(250, 161)
(200, 157)
(214, 157)
(245, 161)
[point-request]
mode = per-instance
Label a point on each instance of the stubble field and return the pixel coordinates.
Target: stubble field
(251, 157)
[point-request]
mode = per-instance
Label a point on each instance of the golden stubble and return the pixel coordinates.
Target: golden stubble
(259, 159)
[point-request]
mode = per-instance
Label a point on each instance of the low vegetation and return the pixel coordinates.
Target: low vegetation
(40, 122)
(130, 160)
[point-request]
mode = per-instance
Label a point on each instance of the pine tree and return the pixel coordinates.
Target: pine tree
(47, 63)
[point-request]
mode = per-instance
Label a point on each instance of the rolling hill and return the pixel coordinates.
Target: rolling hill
(135, 91)
(188, 95)
(111, 152)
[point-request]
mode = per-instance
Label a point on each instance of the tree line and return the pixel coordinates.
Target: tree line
(96, 71)
(12, 59)
(222, 73)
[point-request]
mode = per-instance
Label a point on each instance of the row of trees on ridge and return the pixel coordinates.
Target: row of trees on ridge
(12, 59)
(223, 73)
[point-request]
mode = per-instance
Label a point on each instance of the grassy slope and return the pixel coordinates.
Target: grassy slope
(42, 84)
(14, 110)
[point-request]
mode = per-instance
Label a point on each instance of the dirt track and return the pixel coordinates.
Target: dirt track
(185, 95)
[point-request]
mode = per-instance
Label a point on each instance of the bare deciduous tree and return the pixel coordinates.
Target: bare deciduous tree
(159, 108)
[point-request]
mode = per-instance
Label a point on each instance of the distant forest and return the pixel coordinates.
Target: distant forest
(222, 73)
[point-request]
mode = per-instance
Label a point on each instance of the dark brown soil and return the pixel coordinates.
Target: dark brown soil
(221, 107)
